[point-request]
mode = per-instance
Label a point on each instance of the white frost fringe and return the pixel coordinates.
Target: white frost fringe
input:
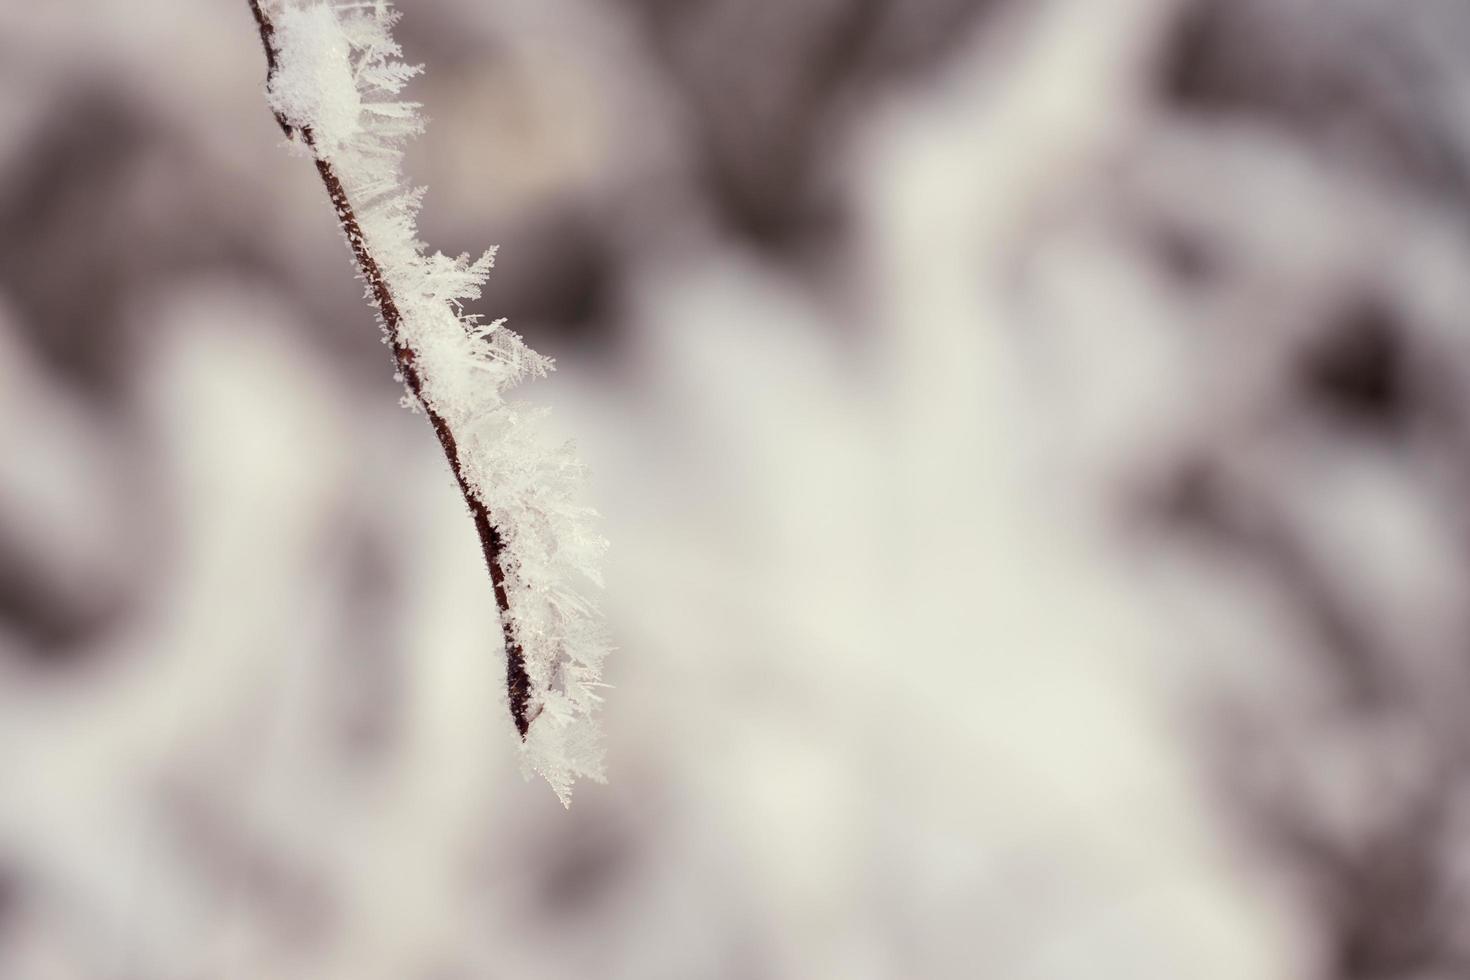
(338, 74)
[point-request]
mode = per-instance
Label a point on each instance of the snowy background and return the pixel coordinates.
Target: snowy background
(1034, 437)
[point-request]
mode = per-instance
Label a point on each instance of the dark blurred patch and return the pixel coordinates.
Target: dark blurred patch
(1187, 256)
(70, 252)
(561, 275)
(284, 891)
(1352, 79)
(56, 624)
(586, 866)
(369, 699)
(769, 87)
(110, 205)
(10, 897)
(1197, 71)
(1200, 499)
(1357, 371)
(1387, 904)
(1194, 498)
(1384, 899)
(1379, 879)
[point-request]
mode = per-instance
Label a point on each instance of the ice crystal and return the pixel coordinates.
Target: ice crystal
(336, 83)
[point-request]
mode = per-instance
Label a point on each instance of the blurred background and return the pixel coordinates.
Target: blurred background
(1034, 438)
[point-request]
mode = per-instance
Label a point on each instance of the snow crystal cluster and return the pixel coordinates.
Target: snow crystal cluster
(336, 82)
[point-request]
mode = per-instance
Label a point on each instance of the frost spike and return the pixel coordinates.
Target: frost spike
(330, 79)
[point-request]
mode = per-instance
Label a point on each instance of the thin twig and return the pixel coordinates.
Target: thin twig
(518, 684)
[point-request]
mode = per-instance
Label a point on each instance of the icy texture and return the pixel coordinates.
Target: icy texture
(317, 83)
(338, 77)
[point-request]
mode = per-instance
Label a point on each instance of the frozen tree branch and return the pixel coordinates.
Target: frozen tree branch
(332, 78)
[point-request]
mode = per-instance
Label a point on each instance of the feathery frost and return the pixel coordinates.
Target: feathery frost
(338, 76)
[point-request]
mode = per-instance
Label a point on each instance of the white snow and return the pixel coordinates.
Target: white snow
(338, 76)
(314, 85)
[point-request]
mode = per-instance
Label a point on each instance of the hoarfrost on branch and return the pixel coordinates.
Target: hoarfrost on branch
(334, 83)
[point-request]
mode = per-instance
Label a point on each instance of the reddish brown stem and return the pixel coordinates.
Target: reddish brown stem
(518, 684)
